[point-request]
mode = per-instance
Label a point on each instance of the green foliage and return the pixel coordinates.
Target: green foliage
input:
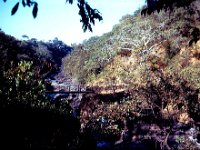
(22, 85)
(90, 58)
(191, 74)
(23, 64)
(46, 56)
(28, 119)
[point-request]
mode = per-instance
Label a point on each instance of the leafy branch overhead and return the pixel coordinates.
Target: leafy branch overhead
(25, 3)
(88, 14)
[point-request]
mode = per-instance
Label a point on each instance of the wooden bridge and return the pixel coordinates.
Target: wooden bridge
(68, 92)
(65, 90)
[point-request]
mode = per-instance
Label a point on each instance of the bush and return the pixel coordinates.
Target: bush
(28, 119)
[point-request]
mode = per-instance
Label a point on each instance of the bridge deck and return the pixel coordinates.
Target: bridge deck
(68, 92)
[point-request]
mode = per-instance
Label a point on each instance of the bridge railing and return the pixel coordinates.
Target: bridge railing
(68, 89)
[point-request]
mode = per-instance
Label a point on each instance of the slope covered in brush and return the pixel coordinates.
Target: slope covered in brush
(134, 45)
(145, 73)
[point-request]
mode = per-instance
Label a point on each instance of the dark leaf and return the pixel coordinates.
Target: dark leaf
(35, 10)
(23, 3)
(14, 9)
(90, 28)
(28, 2)
(100, 18)
(70, 1)
(97, 15)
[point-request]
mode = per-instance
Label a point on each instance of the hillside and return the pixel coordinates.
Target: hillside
(160, 37)
(146, 67)
(46, 56)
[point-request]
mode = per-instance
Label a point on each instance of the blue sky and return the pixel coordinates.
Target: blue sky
(58, 19)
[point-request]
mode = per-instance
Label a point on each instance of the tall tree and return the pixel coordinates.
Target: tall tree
(170, 5)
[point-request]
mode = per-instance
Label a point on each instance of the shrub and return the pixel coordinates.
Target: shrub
(28, 119)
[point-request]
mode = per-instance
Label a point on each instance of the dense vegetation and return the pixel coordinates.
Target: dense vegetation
(145, 71)
(145, 74)
(28, 119)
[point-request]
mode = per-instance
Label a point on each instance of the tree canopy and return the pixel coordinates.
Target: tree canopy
(158, 5)
(170, 5)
